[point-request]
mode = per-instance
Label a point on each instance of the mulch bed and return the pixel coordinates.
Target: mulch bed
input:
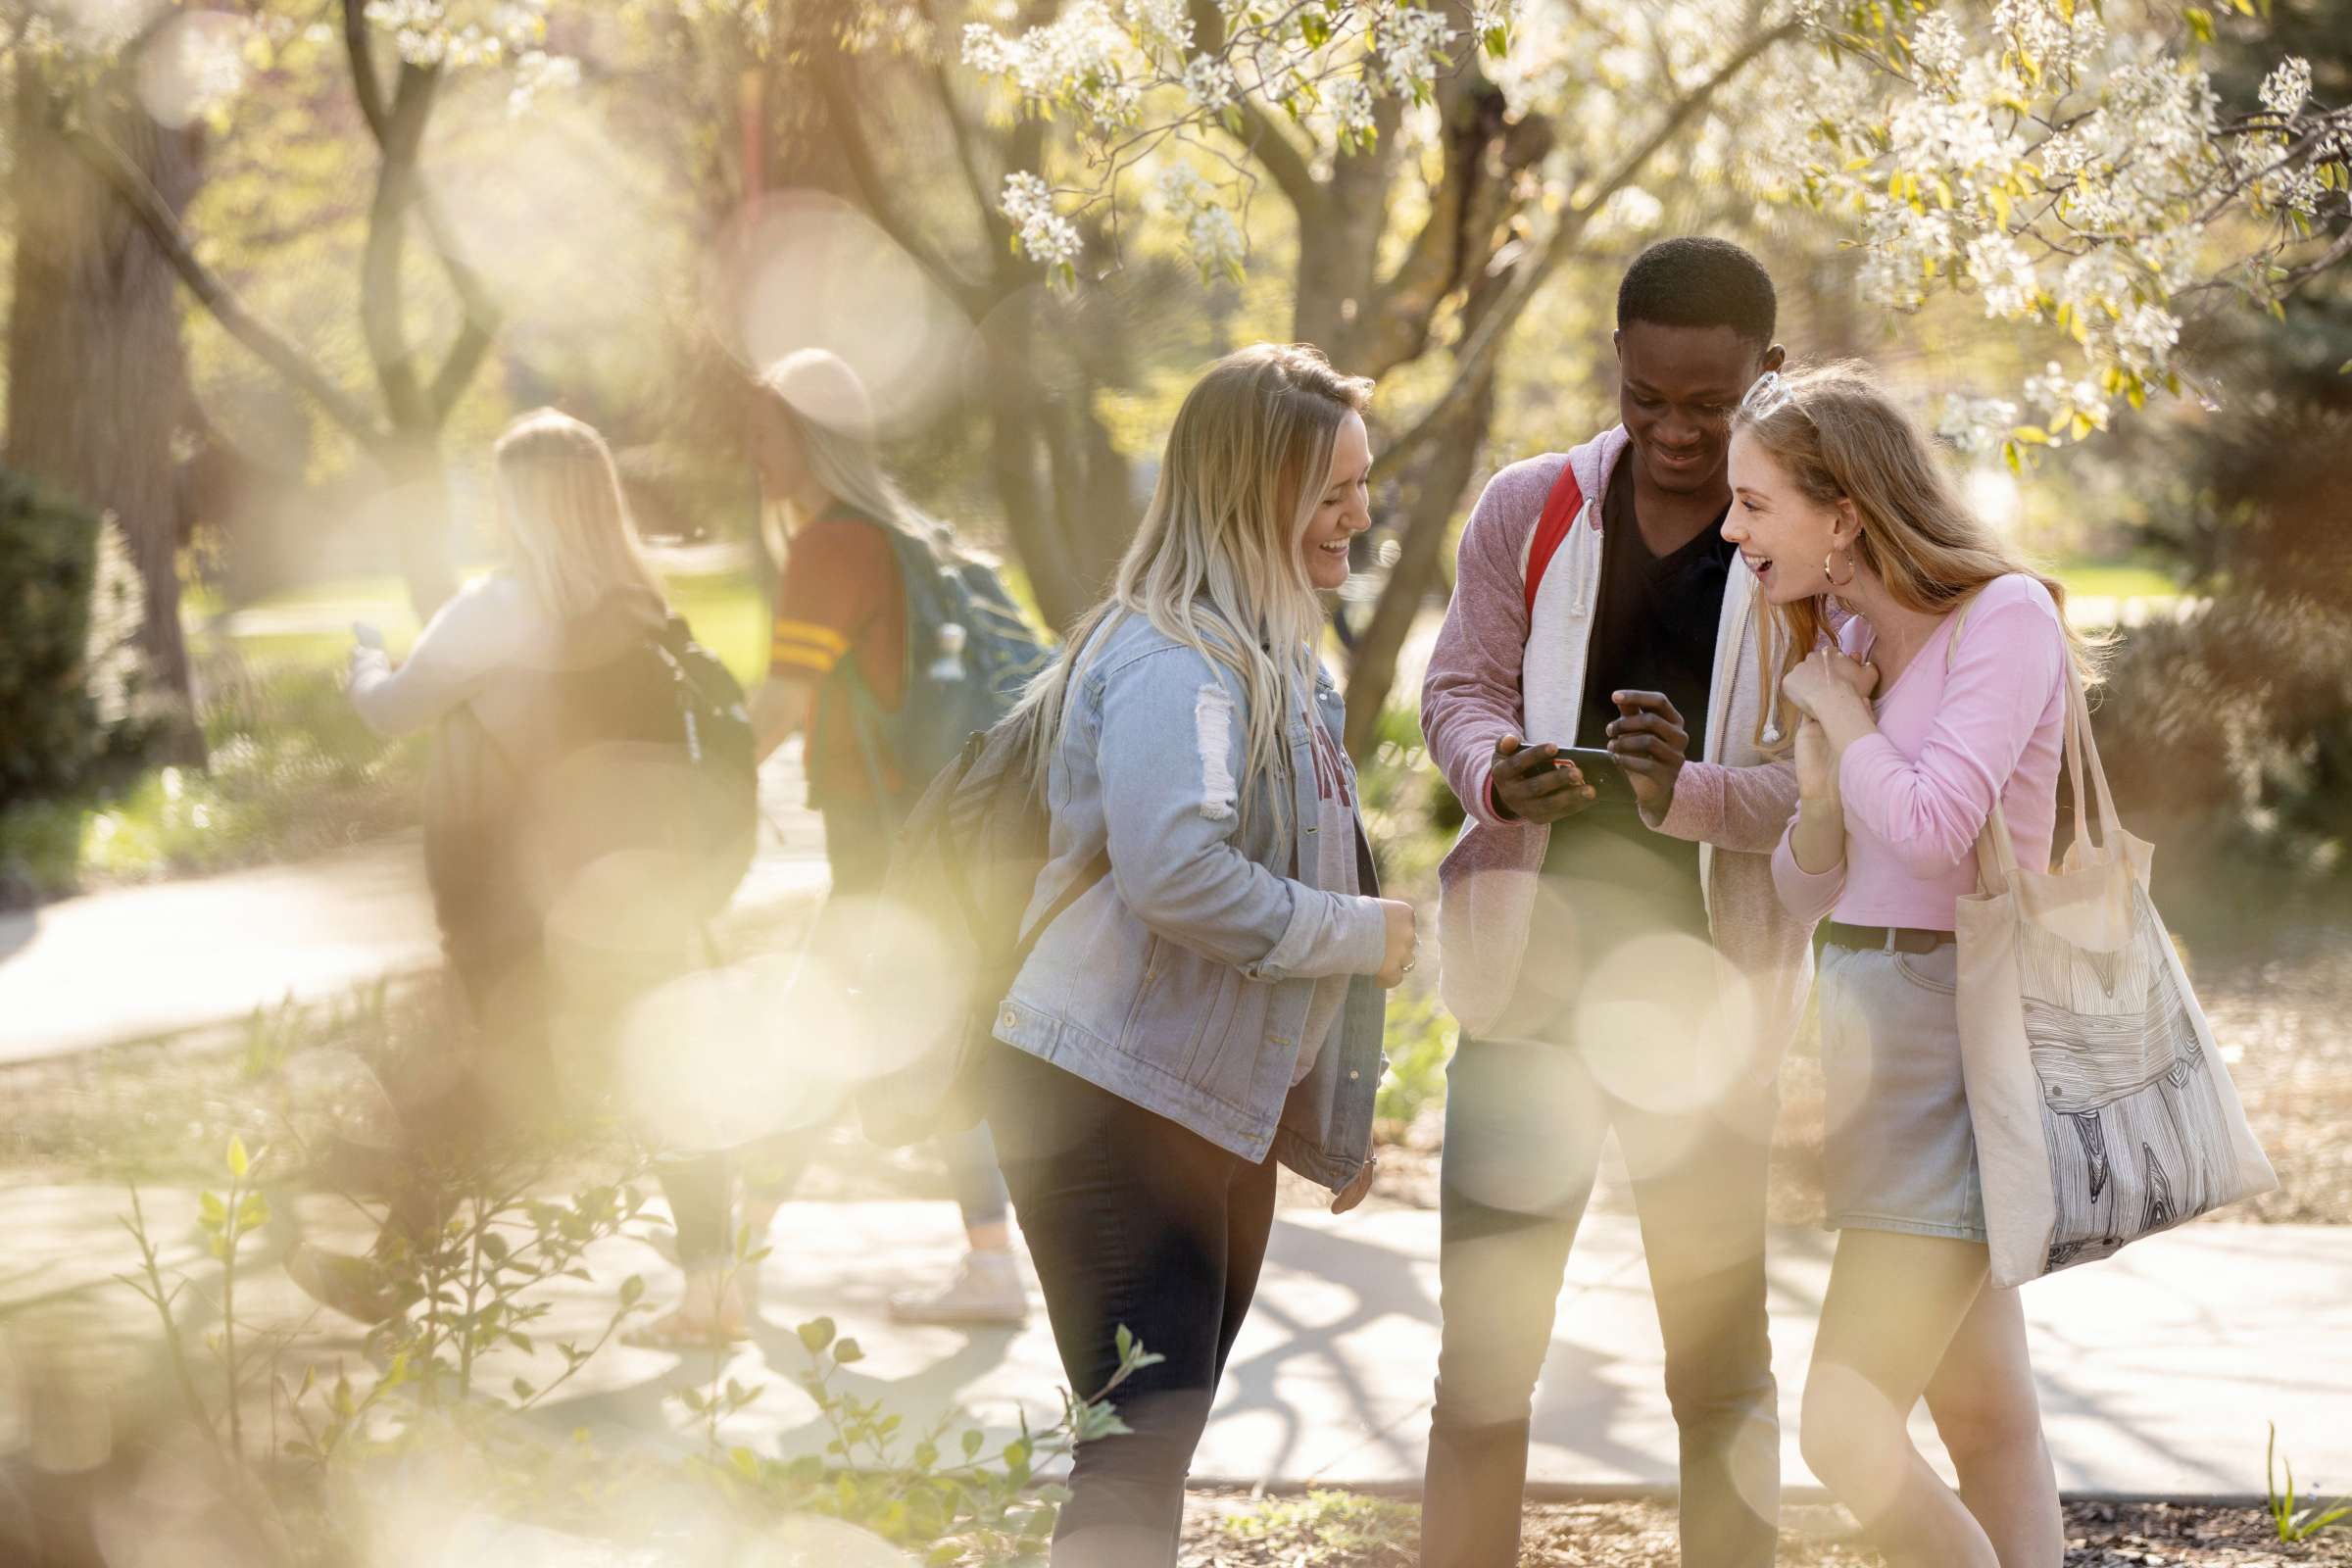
(1338, 1530)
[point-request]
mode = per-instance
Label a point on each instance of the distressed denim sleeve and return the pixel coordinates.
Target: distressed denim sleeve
(1171, 753)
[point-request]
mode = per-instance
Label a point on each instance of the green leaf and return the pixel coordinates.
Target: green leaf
(2200, 22)
(971, 1444)
(848, 1351)
(238, 1163)
(815, 1334)
(522, 1390)
(632, 1290)
(211, 1212)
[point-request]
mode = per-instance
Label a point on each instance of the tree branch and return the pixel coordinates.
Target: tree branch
(1266, 141)
(867, 175)
(382, 317)
(483, 316)
(1480, 348)
(163, 227)
(360, 44)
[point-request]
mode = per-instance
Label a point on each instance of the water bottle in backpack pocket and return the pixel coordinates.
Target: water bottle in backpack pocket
(969, 654)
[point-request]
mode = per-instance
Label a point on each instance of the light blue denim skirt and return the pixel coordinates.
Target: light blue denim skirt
(1900, 1154)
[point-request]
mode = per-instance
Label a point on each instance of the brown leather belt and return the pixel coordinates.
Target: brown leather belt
(1885, 938)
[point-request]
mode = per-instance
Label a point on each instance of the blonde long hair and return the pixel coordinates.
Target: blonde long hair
(1216, 564)
(559, 495)
(832, 413)
(1841, 437)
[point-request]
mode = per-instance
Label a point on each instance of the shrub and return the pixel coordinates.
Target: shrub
(71, 678)
(1419, 1041)
(293, 773)
(2230, 733)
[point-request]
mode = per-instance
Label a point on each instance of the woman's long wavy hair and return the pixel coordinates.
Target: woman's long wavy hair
(567, 524)
(833, 416)
(1216, 564)
(1839, 437)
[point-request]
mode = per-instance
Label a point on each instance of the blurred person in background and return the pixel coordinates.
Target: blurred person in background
(1209, 1003)
(845, 637)
(1842, 497)
(1612, 944)
(589, 804)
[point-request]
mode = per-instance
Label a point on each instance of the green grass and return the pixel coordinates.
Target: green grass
(310, 625)
(2094, 579)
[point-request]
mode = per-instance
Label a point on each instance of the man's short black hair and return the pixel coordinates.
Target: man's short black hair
(1697, 281)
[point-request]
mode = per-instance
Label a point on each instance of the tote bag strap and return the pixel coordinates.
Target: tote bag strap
(1997, 849)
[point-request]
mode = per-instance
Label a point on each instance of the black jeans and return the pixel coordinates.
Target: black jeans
(1526, 1119)
(1133, 1222)
(1524, 1126)
(702, 1187)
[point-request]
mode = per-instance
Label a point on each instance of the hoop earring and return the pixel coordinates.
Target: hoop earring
(1829, 572)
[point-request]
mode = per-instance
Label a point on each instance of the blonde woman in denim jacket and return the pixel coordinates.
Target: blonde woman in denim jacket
(1211, 1005)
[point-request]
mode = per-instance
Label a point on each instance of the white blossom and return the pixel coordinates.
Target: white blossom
(538, 71)
(1211, 235)
(1210, 84)
(1161, 27)
(1349, 102)
(2004, 273)
(2057, 44)
(1974, 425)
(1937, 45)
(2286, 90)
(1904, 249)
(1048, 238)
(2058, 398)
(1412, 47)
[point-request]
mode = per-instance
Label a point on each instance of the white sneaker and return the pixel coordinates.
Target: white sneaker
(986, 1289)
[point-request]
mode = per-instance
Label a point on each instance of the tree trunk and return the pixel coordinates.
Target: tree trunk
(97, 372)
(419, 484)
(1433, 488)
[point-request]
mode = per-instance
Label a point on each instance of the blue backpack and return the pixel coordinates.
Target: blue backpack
(969, 654)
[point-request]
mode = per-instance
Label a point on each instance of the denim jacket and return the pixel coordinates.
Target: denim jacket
(1180, 981)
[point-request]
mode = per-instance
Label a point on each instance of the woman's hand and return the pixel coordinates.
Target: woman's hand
(1357, 1191)
(1828, 677)
(1403, 944)
(1816, 763)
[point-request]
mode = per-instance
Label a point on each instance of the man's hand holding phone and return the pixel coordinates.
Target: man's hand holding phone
(1537, 784)
(1650, 743)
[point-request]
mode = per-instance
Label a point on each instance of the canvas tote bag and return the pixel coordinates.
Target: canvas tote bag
(2101, 1107)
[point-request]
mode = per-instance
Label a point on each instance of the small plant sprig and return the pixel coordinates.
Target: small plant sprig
(714, 1402)
(225, 1220)
(2291, 1522)
(982, 1509)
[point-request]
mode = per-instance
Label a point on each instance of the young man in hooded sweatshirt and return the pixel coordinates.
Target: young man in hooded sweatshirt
(1610, 938)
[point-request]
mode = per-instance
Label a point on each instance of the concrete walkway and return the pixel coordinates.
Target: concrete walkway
(135, 962)
(2157, 1368)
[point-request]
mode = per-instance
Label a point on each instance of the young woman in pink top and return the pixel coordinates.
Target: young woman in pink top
(1904, 738)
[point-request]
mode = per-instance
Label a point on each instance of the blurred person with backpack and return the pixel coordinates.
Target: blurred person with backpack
(890, 651)
(1202, 995)
(590, 804)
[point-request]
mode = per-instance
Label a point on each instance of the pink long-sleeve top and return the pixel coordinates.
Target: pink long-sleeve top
(1918, 792)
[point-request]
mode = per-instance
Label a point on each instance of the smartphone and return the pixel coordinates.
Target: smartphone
(1599, 768)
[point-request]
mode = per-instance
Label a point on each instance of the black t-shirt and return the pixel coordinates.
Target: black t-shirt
(1609, 874)
(1654, 628)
